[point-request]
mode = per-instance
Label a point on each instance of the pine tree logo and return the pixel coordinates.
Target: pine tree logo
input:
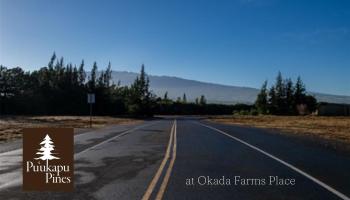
(48, 159)
(46, 150)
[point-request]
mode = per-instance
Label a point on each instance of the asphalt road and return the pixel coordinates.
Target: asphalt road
(188, 158)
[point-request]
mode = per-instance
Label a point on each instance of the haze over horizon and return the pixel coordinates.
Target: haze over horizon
(239, 43)
(195, 80)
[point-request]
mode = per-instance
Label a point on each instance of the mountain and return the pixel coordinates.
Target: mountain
(214, 93)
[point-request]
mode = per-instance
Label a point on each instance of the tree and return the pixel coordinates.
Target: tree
(279, 86)
(58, 72)
(299, 94)
(165, 98)
(75, 76)
(82, 74)
(272, 100)
(46, 150)
(311, 103)
(184, 99)
(100, 80)
(284, 98)
(280, 95)
(52, 60)
(140, 98)
(92, 81)
(289, 89)
(202, 100)
(107, 75)
(261, 102)
(60, 89)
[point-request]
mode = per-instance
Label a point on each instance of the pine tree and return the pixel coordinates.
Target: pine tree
(280, 94)
(165, 98)
(68, 76)
(311, 103)
(82, 74)
(299, 94)
(142, 83)
(261, 102)
(202, 100)
(279, 86)
(284, 97)
(289, 96)
(52, 60)
(100, 80)
(107, 76)
(46, 150)
(75, 76)
(140, 97)
(184, 99)
(92, 81)
(272, 100)
(59, 72)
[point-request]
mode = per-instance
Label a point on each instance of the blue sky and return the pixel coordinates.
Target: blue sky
(235, 42)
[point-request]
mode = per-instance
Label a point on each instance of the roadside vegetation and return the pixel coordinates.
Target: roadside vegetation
(61, 89)
(285, 98)
(10, 126)
(288, 108)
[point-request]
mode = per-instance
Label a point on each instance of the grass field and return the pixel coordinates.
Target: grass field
(330, 128)
(10, 126)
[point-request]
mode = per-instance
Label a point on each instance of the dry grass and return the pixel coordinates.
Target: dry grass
(10, 126)
(331, 128)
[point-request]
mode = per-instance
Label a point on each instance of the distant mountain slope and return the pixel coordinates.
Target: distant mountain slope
(214, 93)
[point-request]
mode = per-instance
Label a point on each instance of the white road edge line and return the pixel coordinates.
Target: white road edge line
(76, 155)
(75, 136)
(324, 185)
(156, 177)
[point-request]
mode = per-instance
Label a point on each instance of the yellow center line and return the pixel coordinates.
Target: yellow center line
(156, 177)
(168, 172)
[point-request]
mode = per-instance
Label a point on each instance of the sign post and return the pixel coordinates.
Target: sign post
(91, 100)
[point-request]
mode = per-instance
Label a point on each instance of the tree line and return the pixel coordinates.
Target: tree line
(285, 98)
(181, 106)
(61, 89)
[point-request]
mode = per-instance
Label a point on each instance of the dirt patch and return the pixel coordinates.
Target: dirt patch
(11, 126)
(330, 128)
